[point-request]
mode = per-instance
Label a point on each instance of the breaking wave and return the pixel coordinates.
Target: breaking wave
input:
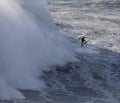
(29, 44)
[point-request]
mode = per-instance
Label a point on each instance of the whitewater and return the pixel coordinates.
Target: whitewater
(41, 57)
(29, 44)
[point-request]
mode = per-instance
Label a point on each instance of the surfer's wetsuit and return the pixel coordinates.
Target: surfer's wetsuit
(83, 41)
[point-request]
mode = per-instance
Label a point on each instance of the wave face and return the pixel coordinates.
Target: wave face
(96, 77)
(29, 44)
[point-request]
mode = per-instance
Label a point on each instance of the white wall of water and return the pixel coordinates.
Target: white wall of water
(29, 44)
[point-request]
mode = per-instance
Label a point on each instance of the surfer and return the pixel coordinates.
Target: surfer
(83, 41)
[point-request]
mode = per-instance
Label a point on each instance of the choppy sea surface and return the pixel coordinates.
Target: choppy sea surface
(95, 78)
(99, 20)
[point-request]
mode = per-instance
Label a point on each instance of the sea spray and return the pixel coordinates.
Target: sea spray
(29, 44)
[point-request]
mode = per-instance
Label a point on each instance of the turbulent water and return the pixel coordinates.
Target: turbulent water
(95, 77)
(29, 44)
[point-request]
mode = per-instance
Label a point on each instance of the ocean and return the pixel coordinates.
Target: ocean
(95, 76)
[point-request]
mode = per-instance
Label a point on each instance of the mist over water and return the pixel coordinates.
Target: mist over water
(29, 44)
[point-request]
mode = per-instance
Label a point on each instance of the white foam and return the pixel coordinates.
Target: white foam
(29, 44)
